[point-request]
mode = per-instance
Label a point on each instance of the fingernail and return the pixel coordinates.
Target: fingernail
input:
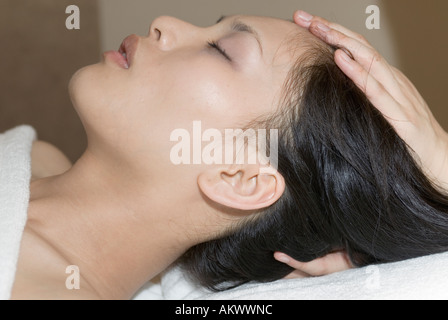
(283, 258)
(305, 16)
(322, 27)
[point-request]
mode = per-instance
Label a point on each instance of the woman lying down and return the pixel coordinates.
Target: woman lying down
(361, 176)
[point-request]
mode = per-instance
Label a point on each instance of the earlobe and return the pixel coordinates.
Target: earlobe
(244, 188)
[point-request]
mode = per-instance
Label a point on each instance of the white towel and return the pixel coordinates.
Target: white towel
(15, 175)
(424, 278)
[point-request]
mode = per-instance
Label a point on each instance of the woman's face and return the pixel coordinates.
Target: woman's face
(175, 76)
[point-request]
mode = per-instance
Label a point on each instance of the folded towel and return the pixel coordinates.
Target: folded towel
(15, 175)
(424, 278)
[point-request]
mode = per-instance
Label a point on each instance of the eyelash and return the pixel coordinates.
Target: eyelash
(216, 46)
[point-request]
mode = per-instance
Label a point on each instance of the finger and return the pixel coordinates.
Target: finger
(330, 263)
(365, 55)
(413, 93)
(305, 19)
(373, 89)
(360, 50)
(338, 36)
(368, 58)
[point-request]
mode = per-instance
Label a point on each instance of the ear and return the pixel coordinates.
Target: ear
(244, 187)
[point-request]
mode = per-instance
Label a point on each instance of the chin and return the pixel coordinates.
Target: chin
(85, 86)
(85, 90)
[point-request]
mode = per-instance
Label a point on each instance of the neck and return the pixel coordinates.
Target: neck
(104, 219)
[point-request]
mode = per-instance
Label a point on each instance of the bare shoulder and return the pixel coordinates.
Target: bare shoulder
(47, 160)
(41, 288)
(43, 274)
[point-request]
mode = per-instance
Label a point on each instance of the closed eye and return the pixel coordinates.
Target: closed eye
(216, 46)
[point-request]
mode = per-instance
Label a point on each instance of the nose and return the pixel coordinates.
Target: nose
(170, 32)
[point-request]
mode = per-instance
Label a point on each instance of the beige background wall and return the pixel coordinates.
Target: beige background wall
(39, 54)
(420, 31)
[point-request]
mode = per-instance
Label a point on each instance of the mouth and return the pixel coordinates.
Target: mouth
(128, 48)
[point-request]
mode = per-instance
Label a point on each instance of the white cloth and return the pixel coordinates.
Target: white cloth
(15, 175)
(424, 278)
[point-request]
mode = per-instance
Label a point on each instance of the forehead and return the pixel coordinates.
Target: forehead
(282, 40)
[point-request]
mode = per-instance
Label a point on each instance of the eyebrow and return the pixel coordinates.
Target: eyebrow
(239, 26)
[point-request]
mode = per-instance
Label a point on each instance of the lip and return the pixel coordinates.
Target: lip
(117, 58)
(128, 48)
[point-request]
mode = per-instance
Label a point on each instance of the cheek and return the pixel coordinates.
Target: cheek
(209, 90)
(204, 87)
(174, 93)
(196, 90)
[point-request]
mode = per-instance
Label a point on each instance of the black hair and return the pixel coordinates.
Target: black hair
(351, 184)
